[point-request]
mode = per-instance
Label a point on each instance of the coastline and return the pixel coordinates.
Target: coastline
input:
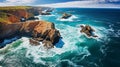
(32, 28)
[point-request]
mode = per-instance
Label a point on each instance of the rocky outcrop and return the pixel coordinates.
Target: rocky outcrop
(88, 30)
(65, 16)
(38, 30)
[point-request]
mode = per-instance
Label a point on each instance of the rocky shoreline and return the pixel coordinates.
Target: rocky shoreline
(37, 30)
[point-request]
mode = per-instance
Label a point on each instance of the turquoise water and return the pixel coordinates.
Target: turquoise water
(77, 50)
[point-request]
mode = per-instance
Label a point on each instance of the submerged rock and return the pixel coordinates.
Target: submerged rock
(88, 30)
(39, 30)
(34, 42)
(48, 44)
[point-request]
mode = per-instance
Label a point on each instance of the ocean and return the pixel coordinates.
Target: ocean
(74, 48)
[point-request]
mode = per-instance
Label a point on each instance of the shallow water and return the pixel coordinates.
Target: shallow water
(77, 50)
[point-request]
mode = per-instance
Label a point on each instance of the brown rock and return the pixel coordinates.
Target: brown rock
(88, 30)
(34, 42)
(48, 44)
(38, 39)
(40, 30)
(7, 30)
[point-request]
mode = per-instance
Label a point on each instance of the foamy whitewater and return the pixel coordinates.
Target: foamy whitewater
(73, 50)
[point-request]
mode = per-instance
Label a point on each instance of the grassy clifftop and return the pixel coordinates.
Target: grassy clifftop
(15, 7)
(11, 14)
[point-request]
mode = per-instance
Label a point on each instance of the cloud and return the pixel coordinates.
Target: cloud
(108, 0)
(16, 2)
(20, 1)
(83, 4)
(74, 3)
(103, 1)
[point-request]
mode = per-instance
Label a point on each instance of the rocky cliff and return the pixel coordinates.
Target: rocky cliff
(14, 14)
(38, 30)
(10, 25)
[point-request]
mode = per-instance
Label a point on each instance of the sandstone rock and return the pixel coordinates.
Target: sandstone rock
(39, 30)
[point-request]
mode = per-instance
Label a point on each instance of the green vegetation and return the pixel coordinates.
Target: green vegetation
(3, 17)
(4, 12)
(15, 7)
(4, 20)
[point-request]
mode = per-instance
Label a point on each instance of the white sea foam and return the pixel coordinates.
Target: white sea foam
(1, 57)
(71, 63)
(41, 17)
(118, 32)
(38, 17)
(101, 32)
(45, 15)
(70, 38)
(112, 32)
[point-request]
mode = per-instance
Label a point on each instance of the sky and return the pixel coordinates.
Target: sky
(64, 3)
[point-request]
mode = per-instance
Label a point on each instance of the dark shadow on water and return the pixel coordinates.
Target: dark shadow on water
(60, 43)
(8, 41)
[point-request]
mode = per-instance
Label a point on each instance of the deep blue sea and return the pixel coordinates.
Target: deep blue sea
(74, 49)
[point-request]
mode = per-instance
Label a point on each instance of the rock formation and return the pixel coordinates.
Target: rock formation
(10, 25)
(88, 30)
(38, 30)
(65, 16)
(14, 14)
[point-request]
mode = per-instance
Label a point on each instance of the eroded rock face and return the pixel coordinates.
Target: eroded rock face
(7, 30)
(38, 30)
(15, 15)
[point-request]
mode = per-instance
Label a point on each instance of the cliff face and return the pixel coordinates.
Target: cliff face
(12, 15)
(37, 29)
(15, 15)
(10, 25)
(7, 30)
